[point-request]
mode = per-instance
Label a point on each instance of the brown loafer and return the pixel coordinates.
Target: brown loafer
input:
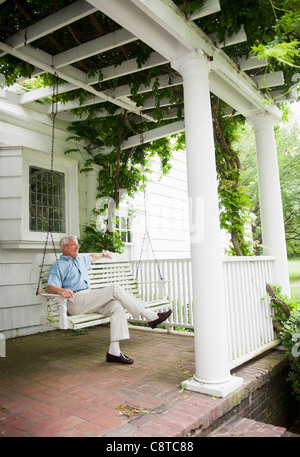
(119, 359)
(161, 317)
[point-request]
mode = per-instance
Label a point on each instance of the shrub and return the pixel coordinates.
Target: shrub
(290, 338)
(287, 323)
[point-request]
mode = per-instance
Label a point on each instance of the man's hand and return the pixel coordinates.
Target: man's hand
(101, 254)
(66, 293)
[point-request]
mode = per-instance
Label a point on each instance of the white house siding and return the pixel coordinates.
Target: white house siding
(25, 135)
(20, 309)
(168, 210)
(167, 207)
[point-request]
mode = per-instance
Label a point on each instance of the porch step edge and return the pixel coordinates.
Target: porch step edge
(244, 427)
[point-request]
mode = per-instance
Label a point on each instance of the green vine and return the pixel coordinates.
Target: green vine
(272, 28)
(121, 169)
(234, 202)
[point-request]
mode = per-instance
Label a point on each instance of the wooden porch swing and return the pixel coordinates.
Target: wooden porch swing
(102, 273)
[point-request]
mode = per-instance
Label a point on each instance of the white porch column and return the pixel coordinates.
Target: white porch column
(211, 346)
(272, 223)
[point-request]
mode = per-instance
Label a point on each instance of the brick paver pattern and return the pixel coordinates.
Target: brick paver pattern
(58, 384)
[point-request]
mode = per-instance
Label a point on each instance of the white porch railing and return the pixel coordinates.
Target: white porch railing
(250, 329)
(249, 314)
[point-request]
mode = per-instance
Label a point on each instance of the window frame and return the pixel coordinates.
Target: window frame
(39, 199)
(118, 227)
(67, 166)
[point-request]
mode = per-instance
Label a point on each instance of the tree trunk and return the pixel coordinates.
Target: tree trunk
(236, 244)
(277, 301)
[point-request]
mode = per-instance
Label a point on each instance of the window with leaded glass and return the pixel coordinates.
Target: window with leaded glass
(46, 200)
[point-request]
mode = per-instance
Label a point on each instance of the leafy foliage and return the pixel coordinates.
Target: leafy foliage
(272, 29)
(284, 52)
(290, 337)
(93, 240)
(234, 201)
(121, 169)
(287, 322)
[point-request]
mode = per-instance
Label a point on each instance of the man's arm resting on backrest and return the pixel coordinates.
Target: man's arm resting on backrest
(95, 257)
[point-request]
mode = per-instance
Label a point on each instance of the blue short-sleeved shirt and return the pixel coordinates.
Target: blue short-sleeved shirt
(74, 273)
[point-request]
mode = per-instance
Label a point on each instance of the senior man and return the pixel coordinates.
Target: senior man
(70, 279)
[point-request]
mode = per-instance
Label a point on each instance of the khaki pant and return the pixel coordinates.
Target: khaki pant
(111, 300)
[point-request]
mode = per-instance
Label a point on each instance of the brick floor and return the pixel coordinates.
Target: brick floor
(57, 384)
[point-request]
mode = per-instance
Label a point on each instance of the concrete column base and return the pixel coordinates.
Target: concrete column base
(221, 389)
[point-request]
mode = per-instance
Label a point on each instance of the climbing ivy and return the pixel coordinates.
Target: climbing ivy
(234, 200)
(120, 169)
(272, 28)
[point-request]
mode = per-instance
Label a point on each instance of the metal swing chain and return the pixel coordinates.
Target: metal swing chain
(146, 233)
(51, 208)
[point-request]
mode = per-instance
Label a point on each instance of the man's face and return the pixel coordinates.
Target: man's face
(71, 249)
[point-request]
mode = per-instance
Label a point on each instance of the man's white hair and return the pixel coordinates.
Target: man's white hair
(65, 240)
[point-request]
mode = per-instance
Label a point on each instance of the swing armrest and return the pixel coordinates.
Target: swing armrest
(45, 294)
(63, 311)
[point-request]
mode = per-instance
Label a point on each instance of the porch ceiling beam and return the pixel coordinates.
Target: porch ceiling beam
(280, 96)
(144, 26)
(269, 80)
(224, 90)
(102, 44)
(249, 63)
(108, 73)
(171, 113)
(44, 61)
(150, 103)
(9, 96)
(246, 89)
(124, 91)
(73, 104)
(50, 24)
(151, 135)
(235, 38)
(162, 81)
(154, 134)
(125, 68)
(209, 7)
(129, 66)
(44, 92)
(121, 91)
(161, 25)
(291, 94)
(70, 117)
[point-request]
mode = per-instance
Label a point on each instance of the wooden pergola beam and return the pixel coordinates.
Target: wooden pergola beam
(49, 24)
